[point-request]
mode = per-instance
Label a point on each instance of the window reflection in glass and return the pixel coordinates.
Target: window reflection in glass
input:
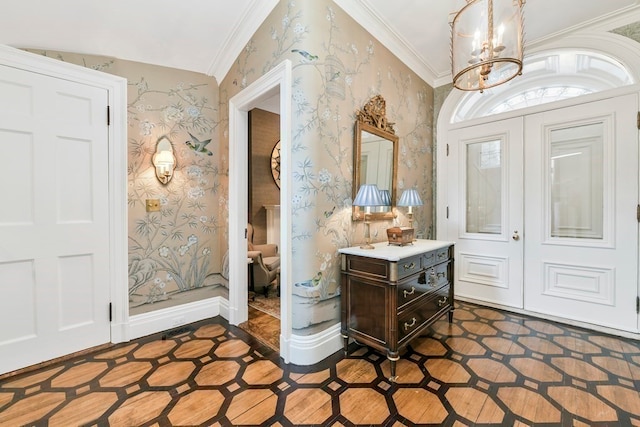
(577, 182)
(484, 187)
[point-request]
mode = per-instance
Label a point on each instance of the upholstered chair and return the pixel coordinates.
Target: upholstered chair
(266, 263)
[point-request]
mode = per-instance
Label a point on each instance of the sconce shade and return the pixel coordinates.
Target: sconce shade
(368, 195)
(164, 161)
(486, 43)
(410, 197)
(386, 197)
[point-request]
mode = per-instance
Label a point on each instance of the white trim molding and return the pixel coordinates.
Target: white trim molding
(173, 317)
(308, 350)
(253, 16)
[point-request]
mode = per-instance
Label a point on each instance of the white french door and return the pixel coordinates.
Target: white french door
(485, 211)
(581, 187)
(54, 222)
(543, 211)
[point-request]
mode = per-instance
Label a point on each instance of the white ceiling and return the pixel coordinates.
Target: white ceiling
(207, 35)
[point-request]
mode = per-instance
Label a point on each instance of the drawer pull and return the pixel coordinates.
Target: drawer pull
(407, 293)
(441, 274)
(410, 325)
(410, 266)
(442, 301)
(442, 255)
(428, 257)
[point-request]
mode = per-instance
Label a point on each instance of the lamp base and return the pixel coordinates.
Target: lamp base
(367, 246)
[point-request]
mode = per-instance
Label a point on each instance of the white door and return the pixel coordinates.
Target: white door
(54, 241)
(484, 174)
(581, 188)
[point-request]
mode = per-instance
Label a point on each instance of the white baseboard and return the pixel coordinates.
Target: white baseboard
(311, 349)
(590, 326)
(172, 317)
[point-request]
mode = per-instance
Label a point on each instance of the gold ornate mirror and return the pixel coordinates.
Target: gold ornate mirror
(375, 156)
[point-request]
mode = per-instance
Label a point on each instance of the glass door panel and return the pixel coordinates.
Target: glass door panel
(484, 187)
(576, 181)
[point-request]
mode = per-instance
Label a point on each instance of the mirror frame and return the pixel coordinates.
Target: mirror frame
(372, 119)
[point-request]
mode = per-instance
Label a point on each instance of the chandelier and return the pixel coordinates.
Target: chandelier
(486, 43)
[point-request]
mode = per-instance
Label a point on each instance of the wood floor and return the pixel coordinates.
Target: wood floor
(487, 368)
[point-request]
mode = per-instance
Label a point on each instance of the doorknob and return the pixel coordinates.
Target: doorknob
(515, 236)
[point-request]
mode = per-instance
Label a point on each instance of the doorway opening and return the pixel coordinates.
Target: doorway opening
(276, 83)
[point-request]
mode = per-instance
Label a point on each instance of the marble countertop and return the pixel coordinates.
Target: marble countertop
(395, 253)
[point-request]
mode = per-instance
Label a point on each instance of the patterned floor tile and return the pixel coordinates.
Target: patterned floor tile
(489, 367)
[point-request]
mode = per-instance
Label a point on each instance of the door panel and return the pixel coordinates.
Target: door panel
(54, 259)
(485, 211)
(581, 187)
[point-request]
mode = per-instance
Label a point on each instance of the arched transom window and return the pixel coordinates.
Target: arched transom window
(547, 77)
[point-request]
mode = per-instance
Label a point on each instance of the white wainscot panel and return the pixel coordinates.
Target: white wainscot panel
(17, 305)
(16, 150)
(484, 270)
(74, 183)
(581, 283)
(76, 291)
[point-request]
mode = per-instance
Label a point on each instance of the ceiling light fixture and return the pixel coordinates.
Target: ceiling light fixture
(486, 43)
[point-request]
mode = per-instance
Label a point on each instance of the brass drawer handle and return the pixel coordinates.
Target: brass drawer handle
(410, 266)
(442, 301)
(442, 255)
(441, 274)
(407, 293)
(410, 325)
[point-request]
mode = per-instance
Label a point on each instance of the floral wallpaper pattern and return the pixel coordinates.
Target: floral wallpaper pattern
(174, 250)
(337, 68)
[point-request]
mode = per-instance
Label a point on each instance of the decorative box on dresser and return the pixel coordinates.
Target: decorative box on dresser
(390, 294)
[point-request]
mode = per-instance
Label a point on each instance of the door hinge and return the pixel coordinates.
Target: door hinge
(638, 305)
(246, 233)
(108, 115)
(638, 213)
(110, 312)
(447, 212)
(447, 150)
(638, 120)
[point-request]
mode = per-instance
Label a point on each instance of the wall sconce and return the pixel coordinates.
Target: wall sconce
(164, 160)
(368, 196)
(410, 198)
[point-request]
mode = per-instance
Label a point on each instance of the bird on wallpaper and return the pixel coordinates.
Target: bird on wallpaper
(317, 278)
(306, 55)
(198, 146)
(327, 214)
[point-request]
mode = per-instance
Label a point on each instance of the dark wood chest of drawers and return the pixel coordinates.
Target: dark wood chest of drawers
(392, 293)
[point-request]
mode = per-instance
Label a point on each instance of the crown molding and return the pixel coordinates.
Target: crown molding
(374, 24)
(252, 17)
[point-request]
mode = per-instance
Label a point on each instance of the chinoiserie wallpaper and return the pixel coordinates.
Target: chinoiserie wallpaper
(338, 67)
(174, 254)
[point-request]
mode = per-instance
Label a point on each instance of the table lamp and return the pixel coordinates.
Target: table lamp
(386, 199)
(368, 196)
(410, 198)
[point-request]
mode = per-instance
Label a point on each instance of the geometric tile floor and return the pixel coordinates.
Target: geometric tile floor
(487, 368)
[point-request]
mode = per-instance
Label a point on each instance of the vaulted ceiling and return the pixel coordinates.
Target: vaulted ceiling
(207, 35)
